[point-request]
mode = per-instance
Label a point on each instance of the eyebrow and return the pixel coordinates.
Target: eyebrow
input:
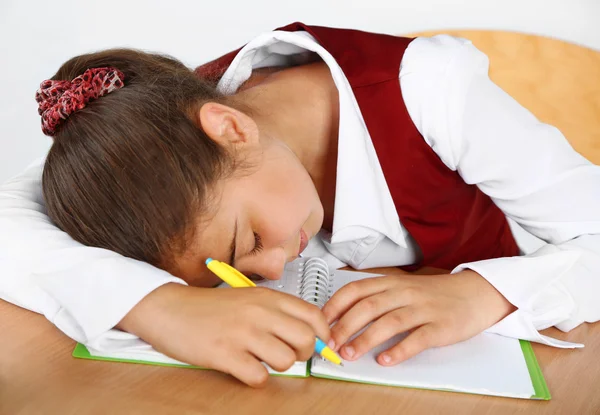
(233, 243)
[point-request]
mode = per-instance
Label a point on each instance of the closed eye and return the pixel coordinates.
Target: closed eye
(257, 244)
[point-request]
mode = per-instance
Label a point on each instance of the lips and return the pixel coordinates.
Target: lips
(303, 241)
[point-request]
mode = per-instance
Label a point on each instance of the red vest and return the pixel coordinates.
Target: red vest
(451, 221)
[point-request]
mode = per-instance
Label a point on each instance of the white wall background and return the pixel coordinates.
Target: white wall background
(36, 37)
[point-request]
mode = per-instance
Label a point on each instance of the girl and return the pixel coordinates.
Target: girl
(401, 150)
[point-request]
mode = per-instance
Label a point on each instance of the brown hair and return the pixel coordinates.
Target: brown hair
(132, 170)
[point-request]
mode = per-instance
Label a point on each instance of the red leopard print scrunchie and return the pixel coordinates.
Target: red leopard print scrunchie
(59, 99)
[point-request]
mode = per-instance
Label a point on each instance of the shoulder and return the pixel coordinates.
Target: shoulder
(440, 54)
(435, 76)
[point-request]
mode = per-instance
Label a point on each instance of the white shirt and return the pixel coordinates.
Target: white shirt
(526, 167)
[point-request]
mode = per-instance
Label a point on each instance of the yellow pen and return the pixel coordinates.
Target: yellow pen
(236, 279)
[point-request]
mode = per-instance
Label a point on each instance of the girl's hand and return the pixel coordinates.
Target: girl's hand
(438, 310)
(230, 330)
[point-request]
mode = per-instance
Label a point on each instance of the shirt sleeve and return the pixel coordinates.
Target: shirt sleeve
(528, 169)
(84, 291)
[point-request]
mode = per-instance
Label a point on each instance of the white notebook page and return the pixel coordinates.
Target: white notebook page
(486, 364)
(146, 353)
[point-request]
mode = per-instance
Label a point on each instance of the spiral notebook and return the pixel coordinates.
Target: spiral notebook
(487, 364)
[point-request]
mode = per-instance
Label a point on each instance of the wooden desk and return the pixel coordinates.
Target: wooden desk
(556, 80)
(39, 376)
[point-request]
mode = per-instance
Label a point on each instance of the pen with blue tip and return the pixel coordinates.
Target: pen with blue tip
(236, 279)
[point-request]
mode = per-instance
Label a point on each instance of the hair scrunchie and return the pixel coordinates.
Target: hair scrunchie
(59, 99)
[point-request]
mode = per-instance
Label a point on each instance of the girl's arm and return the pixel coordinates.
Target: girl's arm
(529, 170)
(87, 291)
(84, 291)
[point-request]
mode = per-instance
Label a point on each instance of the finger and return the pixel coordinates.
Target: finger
(421, 339)
(362, 313)
(310, 314)
(351, 293)
(245, 367)
(272, 351)
(391, 324)
(295, 333)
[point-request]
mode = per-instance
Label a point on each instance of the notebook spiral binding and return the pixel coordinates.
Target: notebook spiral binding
(315, 282)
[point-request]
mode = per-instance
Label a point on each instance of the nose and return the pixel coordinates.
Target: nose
(268, 264)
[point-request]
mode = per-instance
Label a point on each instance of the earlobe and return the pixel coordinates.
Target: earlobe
(227, 126)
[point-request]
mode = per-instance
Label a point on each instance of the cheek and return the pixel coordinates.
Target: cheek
(284, 198)
(289, 202)
(282, 218)
(299, 192)
(278, 216)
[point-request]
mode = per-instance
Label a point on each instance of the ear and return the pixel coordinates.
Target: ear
(228, 126)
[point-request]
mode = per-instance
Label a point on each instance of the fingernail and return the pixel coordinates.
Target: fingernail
(386, 358)
(349, 350)
(331, 344)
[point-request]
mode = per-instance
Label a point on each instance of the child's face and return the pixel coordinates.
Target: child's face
(272, 211)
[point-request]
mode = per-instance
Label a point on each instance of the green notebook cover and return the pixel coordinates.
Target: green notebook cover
(535, 372)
